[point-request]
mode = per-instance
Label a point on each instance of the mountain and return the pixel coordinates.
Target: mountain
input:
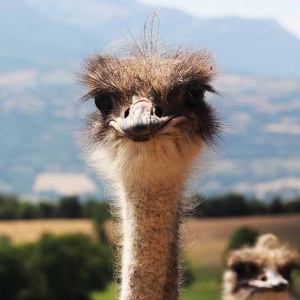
(48, 33)
(249, 46)
(40, 118)
(30, 39)
(41, 121)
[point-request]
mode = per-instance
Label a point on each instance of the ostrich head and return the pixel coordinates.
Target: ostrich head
(261, 272)
(151, 106)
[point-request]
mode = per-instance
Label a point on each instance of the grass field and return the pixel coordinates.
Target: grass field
(206, 286)
(209, 289)
(204, 242)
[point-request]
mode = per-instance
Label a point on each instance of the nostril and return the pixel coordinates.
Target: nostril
(263, 278)
(158, 112)
(126, 113)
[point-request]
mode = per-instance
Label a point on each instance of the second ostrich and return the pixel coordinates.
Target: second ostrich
(262, 272)
(152, 121)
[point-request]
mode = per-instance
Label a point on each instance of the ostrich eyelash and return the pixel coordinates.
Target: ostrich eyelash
(94, 93)
(210, 89)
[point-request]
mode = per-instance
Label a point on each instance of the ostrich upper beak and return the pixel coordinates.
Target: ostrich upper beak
(143, 120)
(270, 280)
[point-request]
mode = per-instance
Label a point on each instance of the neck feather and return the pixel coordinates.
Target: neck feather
(150, 241)
(149, 178)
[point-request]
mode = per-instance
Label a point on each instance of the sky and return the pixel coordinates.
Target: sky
(286, 12)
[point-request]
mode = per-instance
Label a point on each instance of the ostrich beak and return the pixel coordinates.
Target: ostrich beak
(270, 280)
(143, 120)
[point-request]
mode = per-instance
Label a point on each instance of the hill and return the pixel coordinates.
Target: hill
(40, 119)
(46, 34)
(258, 153)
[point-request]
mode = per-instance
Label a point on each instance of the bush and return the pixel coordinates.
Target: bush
(258, 207)
(12, 276)
(96, 209)
(293, 206)
(276, 207)
(241, 237)
(27, 210)
(66, 268)
(70, 207)
(57, 267)
(47, 210)
(8, 207)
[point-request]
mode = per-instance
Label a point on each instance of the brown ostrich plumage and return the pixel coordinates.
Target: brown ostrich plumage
(260, 272)
(151, 122)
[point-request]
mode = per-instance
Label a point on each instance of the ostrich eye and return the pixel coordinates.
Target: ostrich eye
(193, 98)
(104, 103)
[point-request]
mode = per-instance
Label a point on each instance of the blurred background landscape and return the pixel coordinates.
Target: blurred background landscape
(43, 44)
(254, 173)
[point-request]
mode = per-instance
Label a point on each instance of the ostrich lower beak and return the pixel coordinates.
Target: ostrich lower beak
(143, 120)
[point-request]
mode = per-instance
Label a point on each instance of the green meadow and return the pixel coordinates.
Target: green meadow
(206, 284)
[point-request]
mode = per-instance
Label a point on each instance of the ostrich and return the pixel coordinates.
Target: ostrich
(262, 272)
(151, 121)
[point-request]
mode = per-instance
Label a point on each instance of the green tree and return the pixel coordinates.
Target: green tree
(70, 207)
(235, 205)
(292, 206)
(241, 237)
(96, 209)
(8, 207)
(47, 210)
(257, 207)
(228, 205)
(27, 210)
(65, 268)
(276, 206)
(12, 276)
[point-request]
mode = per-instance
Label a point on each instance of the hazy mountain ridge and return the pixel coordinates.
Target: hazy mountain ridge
(259, 149)
(40, 116)
(34, 36)
(42, 122)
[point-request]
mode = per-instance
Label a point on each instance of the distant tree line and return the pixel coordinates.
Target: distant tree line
(235, 205)
(11, 207)
(228, 205)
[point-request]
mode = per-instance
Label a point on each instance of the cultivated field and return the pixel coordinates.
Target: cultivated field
(31, 231)
(204, 240)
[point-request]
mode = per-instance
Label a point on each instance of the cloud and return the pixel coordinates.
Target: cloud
(241, 120)
(67, 184)
(18, 77)
(261, 189)
(283, 128)
(291, 23)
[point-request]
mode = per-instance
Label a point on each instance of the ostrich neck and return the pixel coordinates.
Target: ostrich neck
(151, 215)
